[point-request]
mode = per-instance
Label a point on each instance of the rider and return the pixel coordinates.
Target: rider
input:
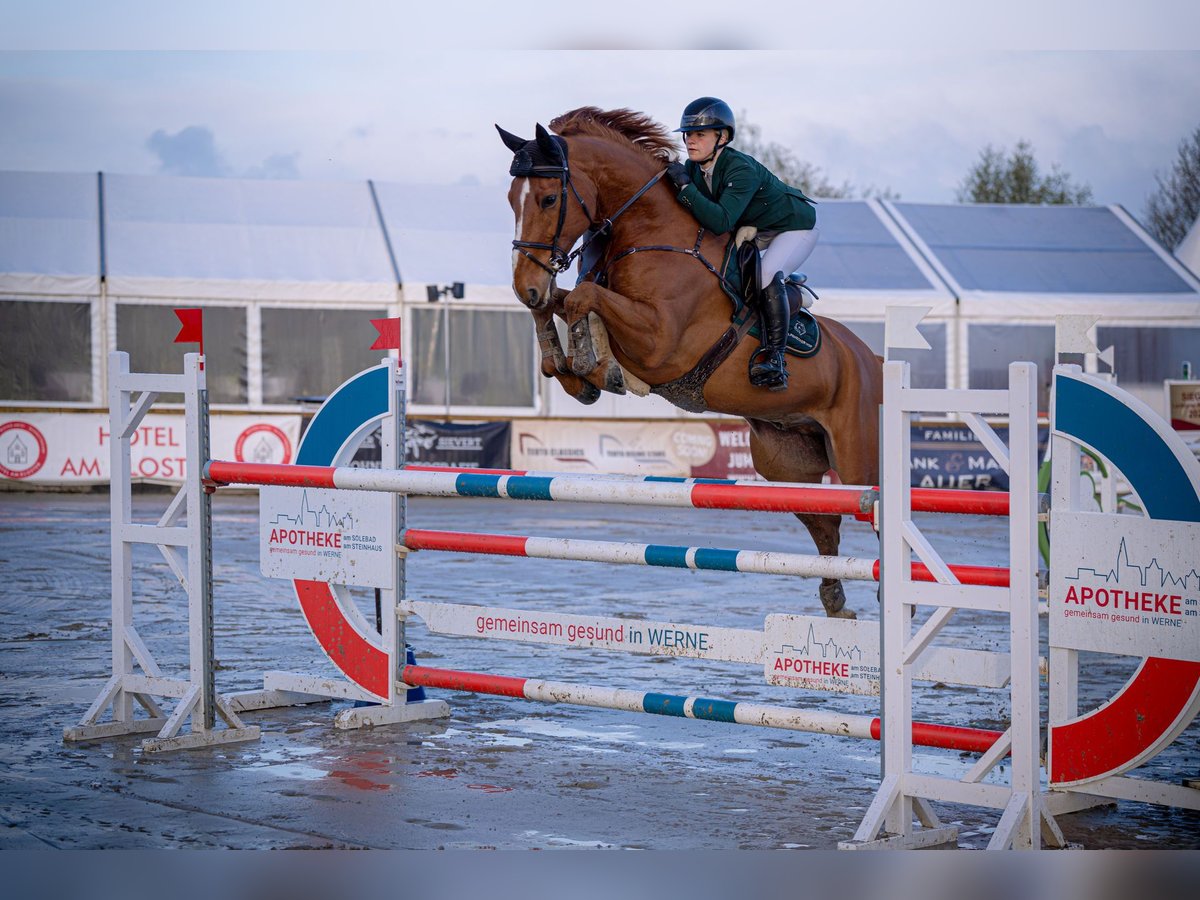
(725, 190)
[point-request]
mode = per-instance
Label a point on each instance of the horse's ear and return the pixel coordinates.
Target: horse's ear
(511, 141)
(548, 145)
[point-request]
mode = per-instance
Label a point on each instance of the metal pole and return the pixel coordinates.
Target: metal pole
(446, 355)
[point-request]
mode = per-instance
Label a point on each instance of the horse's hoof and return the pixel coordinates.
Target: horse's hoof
(614, 379)
(833, 598)
(588, 394)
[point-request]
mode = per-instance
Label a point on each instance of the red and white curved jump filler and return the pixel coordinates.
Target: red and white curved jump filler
(351, 643)
(1163, 695)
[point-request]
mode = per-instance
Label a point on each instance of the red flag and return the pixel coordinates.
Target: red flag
(389, 334)
(192, 330)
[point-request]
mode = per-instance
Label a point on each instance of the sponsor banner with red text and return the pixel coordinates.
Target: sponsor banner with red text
(731, 453)
(318, 534)
(1125, 584)
(1183, 404)
(820, 654)
(73, 448)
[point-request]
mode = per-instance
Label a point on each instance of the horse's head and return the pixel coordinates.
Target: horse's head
(549, 221)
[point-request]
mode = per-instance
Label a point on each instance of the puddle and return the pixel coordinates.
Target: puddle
(296, 771)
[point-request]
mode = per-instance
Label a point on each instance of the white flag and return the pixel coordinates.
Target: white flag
(1071, 334)
(900, 328)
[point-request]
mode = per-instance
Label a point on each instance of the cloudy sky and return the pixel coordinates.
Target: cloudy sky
(896, 96)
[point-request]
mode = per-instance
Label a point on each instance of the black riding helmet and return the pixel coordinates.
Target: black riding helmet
(707, 112)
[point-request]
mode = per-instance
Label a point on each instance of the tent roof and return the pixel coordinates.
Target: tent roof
(212, 238)
(449, 233)
(1041, 249)
(1188, 251)
(49, 242)
(863, 263)
(860, 249)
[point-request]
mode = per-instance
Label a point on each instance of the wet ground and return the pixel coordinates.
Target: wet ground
(499, 773)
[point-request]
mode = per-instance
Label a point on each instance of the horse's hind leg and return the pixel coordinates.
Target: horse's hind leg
(826, 533)
(801, 454)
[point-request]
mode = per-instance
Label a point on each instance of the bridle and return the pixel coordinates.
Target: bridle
(560, 259)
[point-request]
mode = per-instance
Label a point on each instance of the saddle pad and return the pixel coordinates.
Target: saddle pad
(804, 334)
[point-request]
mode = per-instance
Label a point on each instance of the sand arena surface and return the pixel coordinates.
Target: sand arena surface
(499, 772)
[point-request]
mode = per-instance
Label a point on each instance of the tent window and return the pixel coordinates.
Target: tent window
(45, 351)
(928, 366)
(147, 334)
(491, 357)
(1146, 356)
(990, 348)
(306, 353)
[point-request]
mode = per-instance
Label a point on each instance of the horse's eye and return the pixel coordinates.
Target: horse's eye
(549, 200)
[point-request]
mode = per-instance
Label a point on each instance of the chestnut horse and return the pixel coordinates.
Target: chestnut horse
(662, 309)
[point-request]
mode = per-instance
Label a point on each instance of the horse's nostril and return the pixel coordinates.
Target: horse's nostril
(533, 295)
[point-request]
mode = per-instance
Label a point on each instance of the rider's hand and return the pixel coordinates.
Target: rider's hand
(678, 175)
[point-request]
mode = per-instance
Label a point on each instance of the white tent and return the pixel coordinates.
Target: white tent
(288, 272)
(1013, 269)
(1188, 251)
(49, 242)
(238, 239)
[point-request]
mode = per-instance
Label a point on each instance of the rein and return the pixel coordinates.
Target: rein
(693, 252)
(560, 260)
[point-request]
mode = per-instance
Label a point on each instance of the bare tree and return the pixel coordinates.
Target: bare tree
(1175, 206)
(1016, 178)
(797, 172)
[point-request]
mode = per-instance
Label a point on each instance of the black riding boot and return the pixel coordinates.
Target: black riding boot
(767, 368)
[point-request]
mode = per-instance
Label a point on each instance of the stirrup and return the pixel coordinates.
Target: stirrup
(768, 369)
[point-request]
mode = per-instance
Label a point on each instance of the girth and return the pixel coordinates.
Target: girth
(687, 391)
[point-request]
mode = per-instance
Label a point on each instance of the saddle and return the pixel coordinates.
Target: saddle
(804, 334)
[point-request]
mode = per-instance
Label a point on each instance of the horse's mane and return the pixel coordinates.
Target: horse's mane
(623, 125)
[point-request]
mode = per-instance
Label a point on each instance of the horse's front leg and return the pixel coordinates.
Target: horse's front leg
(554, 362)
(587, 309)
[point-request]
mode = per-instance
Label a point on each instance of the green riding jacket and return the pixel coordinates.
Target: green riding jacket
(745, 192)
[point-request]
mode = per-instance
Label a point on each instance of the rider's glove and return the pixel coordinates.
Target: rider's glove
(678, 175)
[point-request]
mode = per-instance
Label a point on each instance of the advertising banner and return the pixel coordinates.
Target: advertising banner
(950, 456)
(1125, 584)
(821, 654)
(617, 448)
(608, 633)
(317, 534)
(943, 455)
(1183, 404)
(482, 445)
(73, 448)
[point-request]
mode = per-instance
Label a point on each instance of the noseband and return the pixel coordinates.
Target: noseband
(560, 259)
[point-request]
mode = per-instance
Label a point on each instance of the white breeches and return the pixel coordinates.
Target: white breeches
(787, 252)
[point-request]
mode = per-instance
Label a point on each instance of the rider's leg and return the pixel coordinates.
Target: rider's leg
(787, 252)
(784, 255)
(768, 369)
